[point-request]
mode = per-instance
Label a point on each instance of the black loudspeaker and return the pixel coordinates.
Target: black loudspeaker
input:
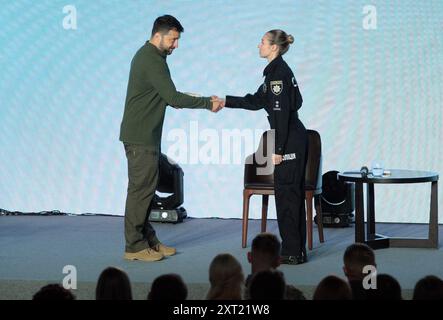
(337, 201)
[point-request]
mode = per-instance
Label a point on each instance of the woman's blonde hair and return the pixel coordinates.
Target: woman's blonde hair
(281, 39)
(226, 278)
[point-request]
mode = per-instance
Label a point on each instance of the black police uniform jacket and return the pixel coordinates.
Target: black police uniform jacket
(280, 96)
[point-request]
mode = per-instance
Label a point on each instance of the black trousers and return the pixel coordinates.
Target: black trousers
(289, 182)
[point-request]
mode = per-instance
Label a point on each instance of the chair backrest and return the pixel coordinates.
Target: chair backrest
(313, 175)
(261, 159)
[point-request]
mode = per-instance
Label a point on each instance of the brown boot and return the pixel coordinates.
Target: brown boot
(164, 250)
(144, 255)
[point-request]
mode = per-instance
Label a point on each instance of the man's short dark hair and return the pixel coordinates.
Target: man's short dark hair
(266, 244)
(166, 23)
(356, 257)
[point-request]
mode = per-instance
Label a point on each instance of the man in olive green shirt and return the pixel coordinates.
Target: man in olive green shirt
(150, 90)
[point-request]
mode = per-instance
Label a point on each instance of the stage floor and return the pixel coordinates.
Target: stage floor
(35, 249)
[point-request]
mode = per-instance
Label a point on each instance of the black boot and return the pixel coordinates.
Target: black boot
(292, 260)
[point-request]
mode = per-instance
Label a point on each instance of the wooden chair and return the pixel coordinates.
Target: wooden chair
(263, 183)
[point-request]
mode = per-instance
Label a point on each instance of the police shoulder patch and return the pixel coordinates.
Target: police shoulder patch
(276, 87)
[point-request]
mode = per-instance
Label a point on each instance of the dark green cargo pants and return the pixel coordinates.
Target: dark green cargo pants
(143, 178)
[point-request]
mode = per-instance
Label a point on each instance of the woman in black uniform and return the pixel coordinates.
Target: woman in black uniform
(279, 95)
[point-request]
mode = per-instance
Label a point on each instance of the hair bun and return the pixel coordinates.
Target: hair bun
(290, 38)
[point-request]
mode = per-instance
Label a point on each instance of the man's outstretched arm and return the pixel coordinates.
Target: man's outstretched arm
(162, 82)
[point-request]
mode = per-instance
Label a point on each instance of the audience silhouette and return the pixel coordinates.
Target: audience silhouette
(226, 278)
(168, 287)
(113, 284)
(265, 282)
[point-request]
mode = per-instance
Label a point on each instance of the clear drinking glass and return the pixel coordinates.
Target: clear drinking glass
(377, 168)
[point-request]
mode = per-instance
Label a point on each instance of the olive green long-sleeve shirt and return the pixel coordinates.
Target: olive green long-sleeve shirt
(150, 90)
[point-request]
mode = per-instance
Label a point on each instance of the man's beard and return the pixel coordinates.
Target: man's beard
(165, 50)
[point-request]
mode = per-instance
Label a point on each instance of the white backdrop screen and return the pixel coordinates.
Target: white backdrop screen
(370, 73)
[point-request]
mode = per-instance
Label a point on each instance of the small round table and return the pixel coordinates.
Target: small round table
(377, 241)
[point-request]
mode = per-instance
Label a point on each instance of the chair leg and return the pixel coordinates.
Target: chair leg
(246, 196)
(264, 212)
(319, 214)
(309, 195)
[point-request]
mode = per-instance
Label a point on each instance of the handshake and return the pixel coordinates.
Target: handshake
(217, 104)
